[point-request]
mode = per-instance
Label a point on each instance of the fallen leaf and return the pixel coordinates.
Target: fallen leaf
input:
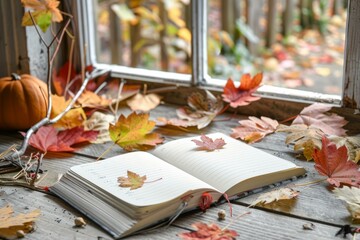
(133, 180)
(73, 118)
(352, 144)
(313, 115)
(276, 195)
(48, 139)
(10, 224)
(89, 99)
(323, 71)
(144, 103)
(134, 132)
(209, 232)
(303, 137)
(242, 95)
(206, 200)
(333, 162)
(254, 129)
(44, 12)
(100, 123)
(352, 197)
(209, 144)
(201, 111)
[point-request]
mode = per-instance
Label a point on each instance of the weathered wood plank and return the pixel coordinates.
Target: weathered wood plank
(57, 218)
(261, 225)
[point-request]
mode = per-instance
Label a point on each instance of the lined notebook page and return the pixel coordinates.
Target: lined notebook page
(173, 181)
(222, 168)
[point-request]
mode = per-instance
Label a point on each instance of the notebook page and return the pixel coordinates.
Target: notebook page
(222, 168)
(169, 181)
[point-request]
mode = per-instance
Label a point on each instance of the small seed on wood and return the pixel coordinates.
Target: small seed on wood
(221, 215)
(20, 233)
(79, 222)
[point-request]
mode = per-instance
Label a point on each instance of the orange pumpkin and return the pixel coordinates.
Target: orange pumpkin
(23, 101)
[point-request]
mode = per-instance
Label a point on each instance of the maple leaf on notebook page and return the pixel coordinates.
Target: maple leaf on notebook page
(208, 232)
(134, 131)
(48, 139)
(313, 115)
(242, 95)
(132, 181)
(254, 129)
(333, 162)
(208, 143)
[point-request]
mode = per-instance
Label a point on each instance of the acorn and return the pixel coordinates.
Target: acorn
(79, 222)
(221, 215)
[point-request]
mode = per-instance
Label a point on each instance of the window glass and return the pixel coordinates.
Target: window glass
(150, 34)
(297, 44)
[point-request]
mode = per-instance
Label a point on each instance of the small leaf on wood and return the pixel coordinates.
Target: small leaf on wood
(276, 195)
(144, 103)
(208, 231)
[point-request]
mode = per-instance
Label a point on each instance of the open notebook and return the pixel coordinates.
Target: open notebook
(182, 173)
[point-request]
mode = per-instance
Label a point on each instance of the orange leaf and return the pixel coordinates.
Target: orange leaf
(133, 180)
(333, 162)
(144, 103)
(73, 118)
(242, 95)
(134, 132)
(209, 232)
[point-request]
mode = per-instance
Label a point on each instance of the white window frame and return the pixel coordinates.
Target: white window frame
(350, 97)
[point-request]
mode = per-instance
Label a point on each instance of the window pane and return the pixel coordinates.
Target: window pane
(298, 44)
(151, 34)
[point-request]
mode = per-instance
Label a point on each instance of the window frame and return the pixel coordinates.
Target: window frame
(350, 97)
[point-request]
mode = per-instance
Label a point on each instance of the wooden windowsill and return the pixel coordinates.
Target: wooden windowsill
(315, 204)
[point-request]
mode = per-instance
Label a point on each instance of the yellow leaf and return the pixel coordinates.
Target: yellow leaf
(9, 224)
(134, 132)
(75, 117)
(352, 197)
(133, 180)
(185, 34)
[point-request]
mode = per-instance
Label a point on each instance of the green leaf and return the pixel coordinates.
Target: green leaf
(43, 20)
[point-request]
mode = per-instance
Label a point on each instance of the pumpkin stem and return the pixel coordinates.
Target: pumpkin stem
(15, 76)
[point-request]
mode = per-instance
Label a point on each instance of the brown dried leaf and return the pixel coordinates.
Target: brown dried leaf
(144, 103)
(352, 197)
(10, 224)
(352, 144)
(276, 195)
(100, 122)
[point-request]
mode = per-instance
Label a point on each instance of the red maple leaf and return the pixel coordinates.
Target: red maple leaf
(48, 139)
(242, 95)
(209, 144)
(333, 162)
(208, 232)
